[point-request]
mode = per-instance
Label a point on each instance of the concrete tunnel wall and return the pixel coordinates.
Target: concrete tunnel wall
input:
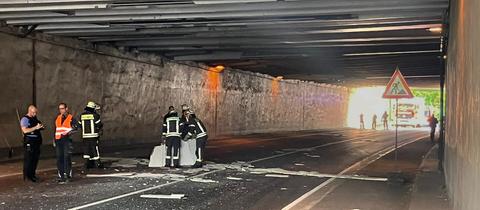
(462, 151)
(136, 90)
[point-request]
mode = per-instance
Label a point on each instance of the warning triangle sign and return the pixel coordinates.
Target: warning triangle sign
(397, 87)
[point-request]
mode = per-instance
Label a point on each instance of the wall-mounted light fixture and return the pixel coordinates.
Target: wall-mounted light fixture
(435, 29)
(218, 68)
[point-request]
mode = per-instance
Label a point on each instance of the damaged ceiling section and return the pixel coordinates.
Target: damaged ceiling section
(334, 41)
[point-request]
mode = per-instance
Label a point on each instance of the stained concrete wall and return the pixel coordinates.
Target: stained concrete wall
(462, 152)
(135, 91)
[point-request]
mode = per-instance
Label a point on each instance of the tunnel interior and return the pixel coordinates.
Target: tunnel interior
(246, 66)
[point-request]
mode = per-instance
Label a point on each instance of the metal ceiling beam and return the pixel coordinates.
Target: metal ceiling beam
(52, 8)
(390, 53)
(355, 46)
(158, 16)
(291, 21)
(78, 27)
(140, 34)
(247, 41)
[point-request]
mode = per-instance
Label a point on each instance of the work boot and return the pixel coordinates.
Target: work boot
(197, 165)
(62, 180)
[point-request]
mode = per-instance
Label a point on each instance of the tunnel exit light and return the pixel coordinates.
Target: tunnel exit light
(366, 100)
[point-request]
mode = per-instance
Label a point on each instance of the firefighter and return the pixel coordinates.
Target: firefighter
(65, 125)
(91, 129)
(32, 140)
(185, 110)
(201, 140)
(171, 132)
(187, 126)
(170, 109)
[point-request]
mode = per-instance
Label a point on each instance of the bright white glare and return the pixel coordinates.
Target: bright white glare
(369, 101)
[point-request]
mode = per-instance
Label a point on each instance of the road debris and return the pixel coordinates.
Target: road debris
(234, 178)
(201, 180)
(277, 175)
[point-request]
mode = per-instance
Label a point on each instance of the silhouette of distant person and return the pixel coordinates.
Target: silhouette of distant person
(432, 122)
(374, 122)
(385, 120)
(362, 123)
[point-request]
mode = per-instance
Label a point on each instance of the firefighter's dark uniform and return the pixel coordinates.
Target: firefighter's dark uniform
(91, 127)
(171, 132)
(31, 143)
(201, 140)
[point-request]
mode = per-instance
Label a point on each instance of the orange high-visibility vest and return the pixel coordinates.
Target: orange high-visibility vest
(63, 128)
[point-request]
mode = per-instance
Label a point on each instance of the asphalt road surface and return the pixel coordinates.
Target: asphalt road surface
(261, 171)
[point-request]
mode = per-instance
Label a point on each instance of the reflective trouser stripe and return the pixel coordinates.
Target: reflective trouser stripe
(98, 154)
(199, 155)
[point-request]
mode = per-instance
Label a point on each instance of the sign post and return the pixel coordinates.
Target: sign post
(397, 88)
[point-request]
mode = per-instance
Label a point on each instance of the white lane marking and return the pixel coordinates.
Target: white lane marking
(358, 165)
(277, 175)
(171, 196)
(422, 165)
(203, 174)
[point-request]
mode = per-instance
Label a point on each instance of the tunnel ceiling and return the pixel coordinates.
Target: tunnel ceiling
(341, 41)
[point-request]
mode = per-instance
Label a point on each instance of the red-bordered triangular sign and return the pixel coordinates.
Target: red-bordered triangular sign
(397, 87)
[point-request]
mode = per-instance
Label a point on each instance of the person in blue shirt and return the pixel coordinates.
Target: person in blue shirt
(32, 140)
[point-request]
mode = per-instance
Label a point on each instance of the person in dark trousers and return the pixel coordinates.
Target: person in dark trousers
(374, 122)
(385, 120)
(362, 122)
(171, 132)
(65, 125)
(432, 121)
(32, 140)
(91, 129)
(201, 140)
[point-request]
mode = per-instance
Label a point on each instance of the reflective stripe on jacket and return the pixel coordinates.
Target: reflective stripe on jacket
(62, 129)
